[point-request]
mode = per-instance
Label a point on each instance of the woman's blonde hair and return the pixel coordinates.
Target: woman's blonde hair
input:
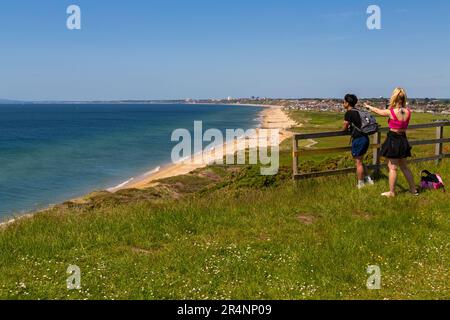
(398, 97)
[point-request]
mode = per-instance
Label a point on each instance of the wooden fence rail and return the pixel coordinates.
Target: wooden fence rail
(376, 145)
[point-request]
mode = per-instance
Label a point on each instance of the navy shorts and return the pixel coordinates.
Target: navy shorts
(360, 146)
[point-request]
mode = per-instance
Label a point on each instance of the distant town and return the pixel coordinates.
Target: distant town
(435, 106)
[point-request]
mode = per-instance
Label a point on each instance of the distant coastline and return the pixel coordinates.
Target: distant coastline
(421, 105)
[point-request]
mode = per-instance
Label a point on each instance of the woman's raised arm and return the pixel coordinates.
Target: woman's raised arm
(381, 112)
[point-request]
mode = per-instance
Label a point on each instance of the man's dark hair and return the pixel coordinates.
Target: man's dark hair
(351, 99)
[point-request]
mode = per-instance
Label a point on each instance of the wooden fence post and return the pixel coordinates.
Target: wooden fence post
(439, 145)
(294, 156)
(376, 153)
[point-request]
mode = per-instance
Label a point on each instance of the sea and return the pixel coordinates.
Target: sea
(50, 153)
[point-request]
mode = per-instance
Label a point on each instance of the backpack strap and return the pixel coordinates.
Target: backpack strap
(352, 125)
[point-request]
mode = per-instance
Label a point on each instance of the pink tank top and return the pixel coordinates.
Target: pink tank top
(397, 124)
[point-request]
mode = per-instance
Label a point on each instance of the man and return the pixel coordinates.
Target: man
(360, 141)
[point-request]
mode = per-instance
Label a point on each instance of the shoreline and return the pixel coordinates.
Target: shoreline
(271, 117)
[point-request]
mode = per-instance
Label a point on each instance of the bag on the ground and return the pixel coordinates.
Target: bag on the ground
(369, 124)
(431, 181)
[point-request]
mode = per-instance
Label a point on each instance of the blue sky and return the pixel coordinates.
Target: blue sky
(170, 49)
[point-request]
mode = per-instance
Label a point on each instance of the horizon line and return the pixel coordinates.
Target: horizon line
(50, 101)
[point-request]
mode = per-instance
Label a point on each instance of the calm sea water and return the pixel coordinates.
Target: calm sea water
(51, 153)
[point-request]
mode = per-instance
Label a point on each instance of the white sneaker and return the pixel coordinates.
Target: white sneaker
(360, 185)
(369, 180)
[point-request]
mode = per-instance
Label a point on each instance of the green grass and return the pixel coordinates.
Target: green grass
(236, 235)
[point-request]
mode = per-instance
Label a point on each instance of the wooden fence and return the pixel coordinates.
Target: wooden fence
(376, 145)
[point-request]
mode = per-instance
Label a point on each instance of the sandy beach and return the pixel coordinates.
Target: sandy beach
(273, 117)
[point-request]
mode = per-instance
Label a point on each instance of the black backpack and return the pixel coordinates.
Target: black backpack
(369, 125)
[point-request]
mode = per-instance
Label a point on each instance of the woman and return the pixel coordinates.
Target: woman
(396, 148)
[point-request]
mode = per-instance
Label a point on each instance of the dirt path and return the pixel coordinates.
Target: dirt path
(311, 143)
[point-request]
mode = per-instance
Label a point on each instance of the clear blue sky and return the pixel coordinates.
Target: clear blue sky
(170, 49)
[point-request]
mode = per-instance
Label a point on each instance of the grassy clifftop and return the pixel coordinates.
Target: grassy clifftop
(229, 233)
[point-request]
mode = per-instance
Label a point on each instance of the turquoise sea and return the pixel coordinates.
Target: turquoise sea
(54, 152)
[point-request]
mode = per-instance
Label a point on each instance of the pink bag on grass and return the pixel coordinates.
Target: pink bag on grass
(431, 181)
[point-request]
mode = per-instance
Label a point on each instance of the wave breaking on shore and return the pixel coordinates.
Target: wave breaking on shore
(127, 182)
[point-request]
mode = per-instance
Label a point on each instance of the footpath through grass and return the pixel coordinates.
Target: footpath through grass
(228, 233)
